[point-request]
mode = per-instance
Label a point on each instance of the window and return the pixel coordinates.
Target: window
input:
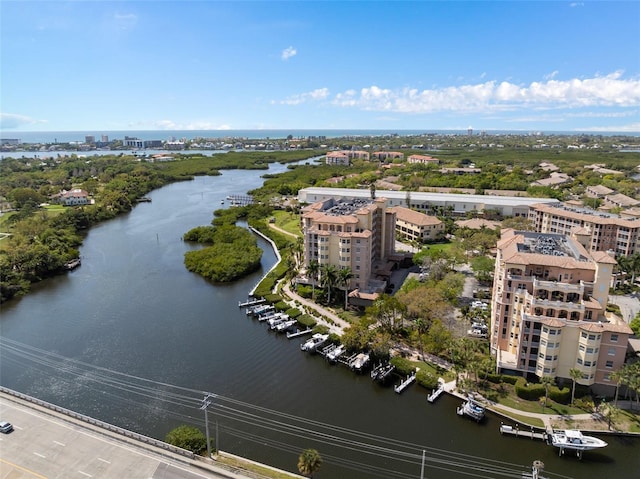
(611, 352)
(609, 364)
(581, 347)
(614, 338)
(579, 361)
(589, 350)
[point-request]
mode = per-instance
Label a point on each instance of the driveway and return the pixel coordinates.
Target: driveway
(629, 305)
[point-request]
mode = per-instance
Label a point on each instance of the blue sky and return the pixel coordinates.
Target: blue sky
(510, 65)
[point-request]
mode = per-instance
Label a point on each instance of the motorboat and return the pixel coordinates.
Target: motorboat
(360, 362)
(471, 408)
(314, 342)
(335, 353)
(285, 325)
(574, 440)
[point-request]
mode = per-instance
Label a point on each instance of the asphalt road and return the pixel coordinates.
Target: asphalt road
(44, 445)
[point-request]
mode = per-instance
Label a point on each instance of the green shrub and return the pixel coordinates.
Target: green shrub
(403, 366)
(427, 380)
(529, 391)
(562, 396)
(494, 378)
(272, 298)
(281, 306)
(293, 313)
(510, 379)
(304, 291)
(307, 320)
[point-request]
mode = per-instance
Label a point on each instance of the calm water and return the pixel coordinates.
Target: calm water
(132, 307)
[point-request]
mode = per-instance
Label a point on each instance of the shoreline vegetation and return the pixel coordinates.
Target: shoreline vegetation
(420, 319)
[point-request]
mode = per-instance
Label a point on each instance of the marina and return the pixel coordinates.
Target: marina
(574, 440)
(251, 302)
(515, 431)
(298, 333)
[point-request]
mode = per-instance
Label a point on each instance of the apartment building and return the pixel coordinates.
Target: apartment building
(355, 233)
(423, 159)
(415, 226)
(595, 230)
(458, 204)
(548, 309)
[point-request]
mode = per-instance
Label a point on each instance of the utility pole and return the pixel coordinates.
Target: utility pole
(205, 404)
(422, 468)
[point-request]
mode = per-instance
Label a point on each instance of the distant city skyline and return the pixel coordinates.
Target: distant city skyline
(221, 65)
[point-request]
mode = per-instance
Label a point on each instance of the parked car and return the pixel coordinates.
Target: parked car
(5, 427)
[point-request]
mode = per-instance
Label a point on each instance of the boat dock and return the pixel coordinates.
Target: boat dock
(527, 434)
(404, 384)
(295, 334)
(251, 302)
(435, 394)
(240, 200)
(382, 371)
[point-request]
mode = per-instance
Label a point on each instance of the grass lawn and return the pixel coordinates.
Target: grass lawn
(288, 221)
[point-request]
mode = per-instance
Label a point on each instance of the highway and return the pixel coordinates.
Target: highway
(48, 445)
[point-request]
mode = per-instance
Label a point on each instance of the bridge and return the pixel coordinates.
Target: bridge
(49, 441)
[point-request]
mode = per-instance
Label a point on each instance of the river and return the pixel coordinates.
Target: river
(132, 316)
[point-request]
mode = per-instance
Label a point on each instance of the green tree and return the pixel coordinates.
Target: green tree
(547, 382)
(328, 277)
(483, 267)
(312, 271)
(344, 277)
(189, 438)
(309, 462)
(575, 374)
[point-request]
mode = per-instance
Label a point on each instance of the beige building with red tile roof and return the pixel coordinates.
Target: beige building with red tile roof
(415, 226)
(387, 155)
(548, 309)
(596, 230)
(355, 233)
(423, 159)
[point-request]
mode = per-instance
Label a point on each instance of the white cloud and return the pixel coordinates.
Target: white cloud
(192, 125)
(551, 75)
(125, 21)
(576, 4)
(10, 121)
(600, 91)
(288, 53)
(315, 95)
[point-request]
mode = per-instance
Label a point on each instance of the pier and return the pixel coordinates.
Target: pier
(516, 432)
(296, 334)
(404, 384)
(240, 200)
(251, 302)
(435, 394)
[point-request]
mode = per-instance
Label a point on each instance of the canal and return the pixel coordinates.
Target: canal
(134, 339)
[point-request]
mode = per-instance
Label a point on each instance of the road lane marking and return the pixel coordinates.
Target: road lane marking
(28, 471)
(104, 460)
(85, 474)
(60, 443)
(40, 455)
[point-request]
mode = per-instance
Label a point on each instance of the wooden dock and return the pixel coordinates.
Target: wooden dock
(527, 434)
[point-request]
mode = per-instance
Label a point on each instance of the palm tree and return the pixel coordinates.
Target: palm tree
(547, 382)
(312, 270)
(344, 277)
(575, 374)
(616, 376)
(421, 328)
(309, 462)
(328, 274)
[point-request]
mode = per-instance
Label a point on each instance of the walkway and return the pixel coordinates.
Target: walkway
(325, 317)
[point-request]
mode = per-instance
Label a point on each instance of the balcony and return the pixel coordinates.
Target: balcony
(558, 286)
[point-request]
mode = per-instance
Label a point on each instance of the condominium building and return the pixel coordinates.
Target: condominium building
(457, 204)
(415, 226)
(595, 230)
(356, 233)
(548, 309)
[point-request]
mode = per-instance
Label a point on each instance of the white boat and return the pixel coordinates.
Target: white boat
(314, 342)
(360, 362)
(277, 319)
(574, 440)
(472, 409)
(285, 325)
(335, 353)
